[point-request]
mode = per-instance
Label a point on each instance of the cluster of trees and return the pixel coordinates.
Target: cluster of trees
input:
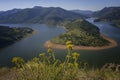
(10, 35)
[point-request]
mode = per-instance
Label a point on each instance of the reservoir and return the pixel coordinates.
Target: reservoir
(33, 45)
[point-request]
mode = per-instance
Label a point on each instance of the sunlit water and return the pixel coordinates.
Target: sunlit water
(31, 46)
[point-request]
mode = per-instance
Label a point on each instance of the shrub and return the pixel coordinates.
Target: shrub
(47, 67)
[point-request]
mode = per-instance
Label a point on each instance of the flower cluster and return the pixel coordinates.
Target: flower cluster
(75, 55)
(69, 45)
(18, 61)
(49, 50)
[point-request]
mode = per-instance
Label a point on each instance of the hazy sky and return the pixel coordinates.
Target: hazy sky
(66, 4)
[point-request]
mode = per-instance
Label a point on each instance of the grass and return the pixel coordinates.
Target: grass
(47, 67)
(4, 70)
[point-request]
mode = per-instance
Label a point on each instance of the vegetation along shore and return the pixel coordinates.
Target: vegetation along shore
(10, 35)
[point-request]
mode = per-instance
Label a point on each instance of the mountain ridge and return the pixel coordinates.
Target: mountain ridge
(37, 14)
(108, 11)
(87, 13)
(110, 14)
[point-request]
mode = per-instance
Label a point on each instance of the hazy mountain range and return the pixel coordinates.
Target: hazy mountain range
(87, 13)
(56, 15)
(108, 13)
(111, 14)
(48, 15)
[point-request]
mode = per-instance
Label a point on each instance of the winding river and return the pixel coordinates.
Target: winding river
(31, 46)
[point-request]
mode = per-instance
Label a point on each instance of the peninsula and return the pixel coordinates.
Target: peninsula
(84, 35)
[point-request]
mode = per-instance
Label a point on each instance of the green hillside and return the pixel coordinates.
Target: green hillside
(10, 35)
(81, 32)
(46, 15)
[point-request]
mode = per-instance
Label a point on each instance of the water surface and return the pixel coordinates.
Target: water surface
(31, 46)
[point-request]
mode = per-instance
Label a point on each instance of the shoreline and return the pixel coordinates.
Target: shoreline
(26, 36)
(112, 44)
(34, 32)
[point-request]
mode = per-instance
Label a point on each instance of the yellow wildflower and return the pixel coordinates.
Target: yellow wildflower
(75, 55)
(68, 42)
(70, 46)
(76, 65)
(17, 60)
(49, 50)
(36, 59)
(42, 54)
(68, 56)
(70, 64)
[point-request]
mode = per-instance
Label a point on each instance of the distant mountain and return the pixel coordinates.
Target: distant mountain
(1, 12)
(4, 13)
(84, 12)
(108, 13)
(47, 15)
(111, 14)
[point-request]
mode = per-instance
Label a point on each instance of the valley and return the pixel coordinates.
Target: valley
(53, 43)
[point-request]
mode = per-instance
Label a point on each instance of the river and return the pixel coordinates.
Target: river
(31, 46)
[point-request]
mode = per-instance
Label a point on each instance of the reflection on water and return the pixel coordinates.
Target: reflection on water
(31, 46)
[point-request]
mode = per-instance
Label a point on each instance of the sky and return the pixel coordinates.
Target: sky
(66, 4)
